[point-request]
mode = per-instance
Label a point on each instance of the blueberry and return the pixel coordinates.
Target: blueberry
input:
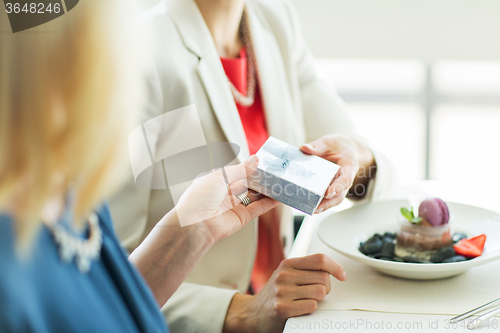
(458, 236)
(372, 246)
(443, 254)
(388, 239)
(381, 257)
(455, 259)
(387, 250)
(415, 260)
(389, 235)
(362, 248)
(373, 238)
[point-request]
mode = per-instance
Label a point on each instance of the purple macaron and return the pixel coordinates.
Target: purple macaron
(435, 211)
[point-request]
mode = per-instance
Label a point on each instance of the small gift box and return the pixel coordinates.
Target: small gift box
(288, 175)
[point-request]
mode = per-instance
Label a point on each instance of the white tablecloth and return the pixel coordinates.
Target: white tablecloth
(370, 295)
(367, 289)
(323, 321)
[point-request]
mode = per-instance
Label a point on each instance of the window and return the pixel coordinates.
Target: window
(438, 121)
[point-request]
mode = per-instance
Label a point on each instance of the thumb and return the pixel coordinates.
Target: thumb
(314, 148)
(242, 171)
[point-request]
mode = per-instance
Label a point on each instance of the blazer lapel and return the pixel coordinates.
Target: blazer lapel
(212, 76)
(274, 90)
(197, 39)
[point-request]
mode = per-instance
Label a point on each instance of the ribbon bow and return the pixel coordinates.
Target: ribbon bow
(286, 159)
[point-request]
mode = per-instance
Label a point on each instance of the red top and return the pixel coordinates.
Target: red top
(269, 247)
(252, 117)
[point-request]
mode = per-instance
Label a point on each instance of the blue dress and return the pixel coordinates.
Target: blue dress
(44, 294)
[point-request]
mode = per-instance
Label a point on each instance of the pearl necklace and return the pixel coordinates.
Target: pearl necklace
(83, 250)
(251, 82)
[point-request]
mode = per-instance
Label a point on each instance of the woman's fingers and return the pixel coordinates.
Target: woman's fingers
(305, 278)
(329, 203)
(320, 262)
(298, 284)
(340, 184)
(303, 307)
(261, 206)
(313, 291)
(339, 187)
(317, 147)
(341, 150)
(285, 309)
(255, 208)
(239, 187)
(241, 171)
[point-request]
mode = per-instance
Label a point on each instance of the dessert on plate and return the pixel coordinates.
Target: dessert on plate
(425, 238)
(425, 235)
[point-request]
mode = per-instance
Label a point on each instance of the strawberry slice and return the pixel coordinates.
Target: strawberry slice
(466, 249)
(470, 248)
(479, 241)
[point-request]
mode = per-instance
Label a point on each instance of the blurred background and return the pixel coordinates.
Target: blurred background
(422, 78)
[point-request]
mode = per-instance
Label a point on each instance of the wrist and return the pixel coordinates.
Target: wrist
(365, 155)
(238, 315)
(201, 233)
(367, 168)
(197, 234)
(168, 254)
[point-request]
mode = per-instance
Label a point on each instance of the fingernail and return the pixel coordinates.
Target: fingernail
(331, 195)
(319, 210)
(252, 159)
(344, 276)
(310, 146)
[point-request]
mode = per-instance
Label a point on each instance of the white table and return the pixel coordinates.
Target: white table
(353, 320)
(365, 321)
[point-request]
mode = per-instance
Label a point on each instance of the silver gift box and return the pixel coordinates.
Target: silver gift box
(288, 175)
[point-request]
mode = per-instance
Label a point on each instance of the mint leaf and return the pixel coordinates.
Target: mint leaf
(416, 220)
(408, 214)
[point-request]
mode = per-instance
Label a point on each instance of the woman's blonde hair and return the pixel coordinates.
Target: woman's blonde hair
(67, 90)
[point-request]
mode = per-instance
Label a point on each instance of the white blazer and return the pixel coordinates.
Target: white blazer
(299, 108)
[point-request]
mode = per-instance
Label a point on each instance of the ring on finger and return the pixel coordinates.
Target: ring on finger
(245, 200)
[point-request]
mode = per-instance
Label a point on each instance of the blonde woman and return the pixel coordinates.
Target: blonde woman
(66, 89)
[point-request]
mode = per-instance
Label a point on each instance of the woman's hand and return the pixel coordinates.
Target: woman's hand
(211, 200)
(294, 289)
(352, 157)
(177, 242)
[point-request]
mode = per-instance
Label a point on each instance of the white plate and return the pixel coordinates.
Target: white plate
(343, 231)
